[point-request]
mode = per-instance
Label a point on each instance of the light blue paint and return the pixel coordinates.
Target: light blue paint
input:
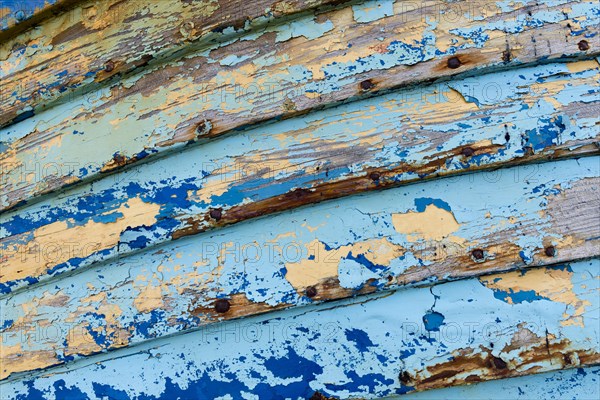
(344, 349)
(369, 11)
(242, 259)
(168, 181)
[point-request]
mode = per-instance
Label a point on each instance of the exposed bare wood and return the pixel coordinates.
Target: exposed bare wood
(417, 235)
(381, 142)
(281, 71)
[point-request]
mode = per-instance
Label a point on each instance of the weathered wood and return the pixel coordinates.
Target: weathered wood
(284, 70)
(409, 236)
(376, 143)
(27, 12)
(505, 325)
(580, 383)
(96, 41)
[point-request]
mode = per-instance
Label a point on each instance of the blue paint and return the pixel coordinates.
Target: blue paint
(518, 296)
(423, 202)
(101, 391)
(360, 339)
(432, 321)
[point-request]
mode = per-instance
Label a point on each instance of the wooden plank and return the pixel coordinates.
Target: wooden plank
(25, 12)
(373, 144)
(580, 383)
(409, 236)
(96, 41)
(372, 346)
(284, 70)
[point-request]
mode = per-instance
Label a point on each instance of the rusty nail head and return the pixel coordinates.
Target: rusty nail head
(477, 254)
(367, 85)
(468, 152)
(550, 251)
(454, 63)
(583, 45)
(215, 214)
(222, 305)
(311, 291)
(375, 176)
(109, 66)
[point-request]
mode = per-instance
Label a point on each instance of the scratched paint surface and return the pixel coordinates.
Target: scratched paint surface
(284, 69)
(415, 235)
(367, 347)
(554, 113)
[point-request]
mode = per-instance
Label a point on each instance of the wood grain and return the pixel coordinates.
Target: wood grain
(381, 142)
(417, 235)
(369, 347)
(286, 69)
(95, 42)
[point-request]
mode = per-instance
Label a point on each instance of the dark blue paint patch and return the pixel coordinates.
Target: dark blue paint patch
(423, 202)
(518, 297)
(292, 366)
(363, 260)
(433, 320)
(360, 339)
(102, 391)
(7, 324)
(361, 384)
(526, 259)
(144, 327)
(63, 392)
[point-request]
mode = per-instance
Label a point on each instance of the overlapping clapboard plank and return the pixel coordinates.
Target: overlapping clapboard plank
(283, 70)
(379, 142)
(95, 41)
(580, 383)
(405, 236)
(15, 12)
(504, 325)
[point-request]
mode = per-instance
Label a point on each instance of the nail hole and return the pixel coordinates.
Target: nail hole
(583, 45)
(454, 63)
(311, 291)
(374, 176)
(222, 306)
(550, 251)
(109, 66)
(215, 213)
(477, 254)
(467, 151)
(367, 85)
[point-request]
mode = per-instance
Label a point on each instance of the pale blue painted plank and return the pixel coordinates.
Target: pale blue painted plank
(358, 244)
(445, 335)
(259, 171)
